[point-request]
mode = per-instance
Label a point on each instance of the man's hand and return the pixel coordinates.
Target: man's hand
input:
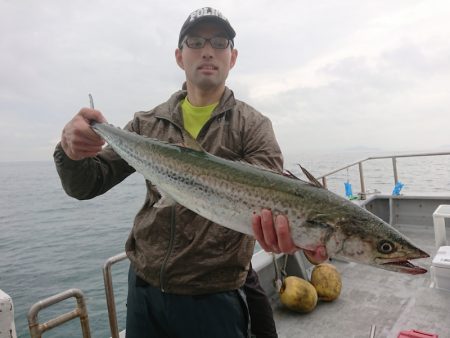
(273, 237)
(78, 140)
(276, 236)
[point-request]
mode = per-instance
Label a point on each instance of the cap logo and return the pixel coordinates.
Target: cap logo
(206, 11)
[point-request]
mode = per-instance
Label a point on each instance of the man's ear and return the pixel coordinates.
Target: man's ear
(179, 58)
(234, 55)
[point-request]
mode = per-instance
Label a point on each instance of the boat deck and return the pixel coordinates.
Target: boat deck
(391, 301)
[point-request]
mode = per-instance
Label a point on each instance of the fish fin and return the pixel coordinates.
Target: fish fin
(289, 174)
(311, 178)
(164, 201)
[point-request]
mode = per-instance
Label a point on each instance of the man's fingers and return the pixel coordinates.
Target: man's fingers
(83, 120)
(85, 137)
(285, 242)
(258, 232)
(78, 140)
(92, 115)
(79, 151)
(273, 236)
(268, 229)
(87, 147)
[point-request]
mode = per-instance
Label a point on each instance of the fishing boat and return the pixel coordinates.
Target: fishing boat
(373, 302)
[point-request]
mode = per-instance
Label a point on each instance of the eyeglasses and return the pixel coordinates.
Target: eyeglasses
(197, 42)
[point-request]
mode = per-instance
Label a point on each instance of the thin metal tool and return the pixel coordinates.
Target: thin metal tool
(280, 273)
(372, 331)
(277, 282)
(91, 101)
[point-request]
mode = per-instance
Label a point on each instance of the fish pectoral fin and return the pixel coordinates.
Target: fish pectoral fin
(311, 178)
(165, 200)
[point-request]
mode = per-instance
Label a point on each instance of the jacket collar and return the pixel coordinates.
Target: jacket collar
(173, 113)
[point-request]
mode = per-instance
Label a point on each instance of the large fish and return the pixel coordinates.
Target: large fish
(228, 193)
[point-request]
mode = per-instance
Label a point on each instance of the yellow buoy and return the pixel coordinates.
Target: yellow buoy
(327, 281)
(298, 294)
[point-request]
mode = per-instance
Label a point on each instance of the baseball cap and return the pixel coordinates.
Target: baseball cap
(202, 15)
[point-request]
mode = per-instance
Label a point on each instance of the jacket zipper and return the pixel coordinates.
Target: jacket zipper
(203, 130)
(172, 212)
(172, 222)
(169, 250)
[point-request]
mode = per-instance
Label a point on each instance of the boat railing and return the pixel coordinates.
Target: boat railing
(37, 329)
(359, 163)
(110, 302)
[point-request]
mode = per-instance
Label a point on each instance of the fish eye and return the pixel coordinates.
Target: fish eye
(386, 247)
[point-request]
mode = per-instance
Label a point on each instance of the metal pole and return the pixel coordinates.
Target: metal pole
(84, 319)
(37, 329)
(361, 179)
(109, 291)
(324, 182)
(394, 166)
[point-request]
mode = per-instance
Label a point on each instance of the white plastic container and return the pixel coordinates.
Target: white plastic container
(440, 268)
(7, 327)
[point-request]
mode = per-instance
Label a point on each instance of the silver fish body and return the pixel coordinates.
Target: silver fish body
(229, 193)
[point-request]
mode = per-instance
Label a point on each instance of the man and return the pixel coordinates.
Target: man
(187, 274)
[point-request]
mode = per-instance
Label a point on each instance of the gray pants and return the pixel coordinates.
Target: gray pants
(154, 314)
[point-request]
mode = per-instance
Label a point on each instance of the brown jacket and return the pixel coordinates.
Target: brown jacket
(173, 248)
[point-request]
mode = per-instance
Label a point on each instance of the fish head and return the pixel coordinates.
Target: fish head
(365, 238)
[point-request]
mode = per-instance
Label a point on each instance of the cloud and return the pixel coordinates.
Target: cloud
(329, 74)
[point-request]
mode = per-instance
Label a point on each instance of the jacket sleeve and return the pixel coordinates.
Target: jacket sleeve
(260, 144)
(90, 177)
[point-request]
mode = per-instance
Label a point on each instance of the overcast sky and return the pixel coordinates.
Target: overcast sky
(331, 75)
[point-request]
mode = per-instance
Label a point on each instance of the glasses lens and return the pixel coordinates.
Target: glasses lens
(219, 42)
(195, 42)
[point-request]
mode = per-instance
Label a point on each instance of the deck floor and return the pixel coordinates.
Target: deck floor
(391, 301)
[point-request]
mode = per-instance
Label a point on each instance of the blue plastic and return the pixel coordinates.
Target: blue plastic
(398, 187)
(348, 189)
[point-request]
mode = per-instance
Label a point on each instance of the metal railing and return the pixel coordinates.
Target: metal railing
(110, 302)
(36, 329)
(361, 171)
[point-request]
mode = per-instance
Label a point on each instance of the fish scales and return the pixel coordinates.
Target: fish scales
(229, 193)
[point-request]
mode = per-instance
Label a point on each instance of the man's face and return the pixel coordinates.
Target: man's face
(206, 68)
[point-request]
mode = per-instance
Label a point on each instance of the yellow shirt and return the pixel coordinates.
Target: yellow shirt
(194, 118)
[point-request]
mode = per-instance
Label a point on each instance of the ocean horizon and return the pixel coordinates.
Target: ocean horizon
(50, 242)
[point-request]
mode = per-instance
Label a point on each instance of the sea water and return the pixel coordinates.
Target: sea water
(50, 242)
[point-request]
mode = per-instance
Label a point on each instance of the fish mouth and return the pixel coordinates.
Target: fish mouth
(403, 266)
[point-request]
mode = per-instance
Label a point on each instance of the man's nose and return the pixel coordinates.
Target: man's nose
(207, 50)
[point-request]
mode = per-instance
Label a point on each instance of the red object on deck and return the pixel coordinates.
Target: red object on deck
(416, 334)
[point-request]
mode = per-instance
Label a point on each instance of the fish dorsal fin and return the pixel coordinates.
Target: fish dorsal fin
(289, 174)
(311, 178)
(190, 142)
